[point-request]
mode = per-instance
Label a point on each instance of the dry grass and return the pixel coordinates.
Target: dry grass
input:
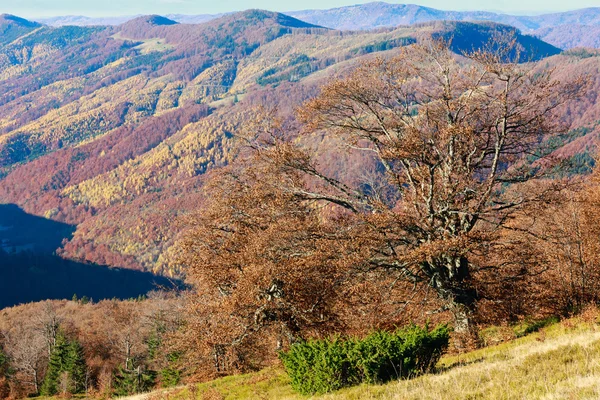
(559, 362)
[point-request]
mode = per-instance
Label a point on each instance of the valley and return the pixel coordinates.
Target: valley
(188, 197)
(117, 142)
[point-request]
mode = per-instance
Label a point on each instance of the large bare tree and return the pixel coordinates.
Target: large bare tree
(460, 141)
(453, 155)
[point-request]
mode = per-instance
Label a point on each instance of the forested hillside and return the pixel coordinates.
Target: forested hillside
(566, 30)
(111, 129)
(319, 191)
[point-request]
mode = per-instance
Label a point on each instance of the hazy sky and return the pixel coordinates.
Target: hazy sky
(36, 8)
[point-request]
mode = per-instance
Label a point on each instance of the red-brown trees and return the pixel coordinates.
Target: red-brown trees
(285, 241)
(452, 138)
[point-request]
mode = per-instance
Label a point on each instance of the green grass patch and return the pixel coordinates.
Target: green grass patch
(559, 361)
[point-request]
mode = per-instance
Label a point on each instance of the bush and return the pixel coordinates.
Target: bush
(321, 366)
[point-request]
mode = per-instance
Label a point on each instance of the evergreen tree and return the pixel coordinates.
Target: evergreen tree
(171, 374)
(66, 358)
(75, 366)
(165, 364)
(130, 380)
(3, 363)
(4, 375)
(56, 365)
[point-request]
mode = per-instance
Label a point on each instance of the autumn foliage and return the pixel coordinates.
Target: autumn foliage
(419, 186)
(443, 221)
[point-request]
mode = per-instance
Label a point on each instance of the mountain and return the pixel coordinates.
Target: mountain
(12, 27)
(80, 20)
(112, 129)
(470, 36)
(586, 16)
(565, 30)
(572, 36)
(552, 28)
(7, 20)
(194, 19)
(152, 20)
(380, 14)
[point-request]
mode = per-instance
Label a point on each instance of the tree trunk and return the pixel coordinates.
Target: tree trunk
(452, 283)
(35, 381)
(465, 336)
(463, 324)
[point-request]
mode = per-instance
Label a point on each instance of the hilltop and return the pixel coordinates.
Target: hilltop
(565, 30)
(7, 19)
(12, 27)
(151, 20)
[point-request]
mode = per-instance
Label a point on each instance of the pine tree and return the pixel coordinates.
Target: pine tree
(171, 374)
(56, 365)
(3, 363)
(128, 381)
(67, 358)
(75, 367)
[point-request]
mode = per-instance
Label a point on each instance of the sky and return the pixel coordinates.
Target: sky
(96, 8)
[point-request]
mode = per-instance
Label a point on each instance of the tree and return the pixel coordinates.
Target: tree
(570, 231)
(56, 365)
(129, 338)
(66, 368)
(26, 349)
(129, 380)
(452, 143)
(268, 270)
(4, 374)
(49, 324)
(76, 367)
(447, 137)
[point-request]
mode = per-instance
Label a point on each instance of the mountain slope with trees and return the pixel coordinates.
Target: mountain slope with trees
(117, 141)
(566, 30)
(559, 29)
(316, 188)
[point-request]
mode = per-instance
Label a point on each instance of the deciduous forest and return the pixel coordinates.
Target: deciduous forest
(183, 202)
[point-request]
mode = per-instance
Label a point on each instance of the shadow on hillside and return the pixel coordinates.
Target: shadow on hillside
(459, 363)
(31, 271)
(20, 231)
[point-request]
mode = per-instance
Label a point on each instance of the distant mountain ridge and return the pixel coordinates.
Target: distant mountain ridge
(578, 28)
(7, 19)
(380, 15)
(13, 27)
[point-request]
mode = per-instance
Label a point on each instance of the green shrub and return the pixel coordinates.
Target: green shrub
(321, 366)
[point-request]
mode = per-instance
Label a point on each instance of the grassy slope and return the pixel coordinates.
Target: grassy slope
(559, 362)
